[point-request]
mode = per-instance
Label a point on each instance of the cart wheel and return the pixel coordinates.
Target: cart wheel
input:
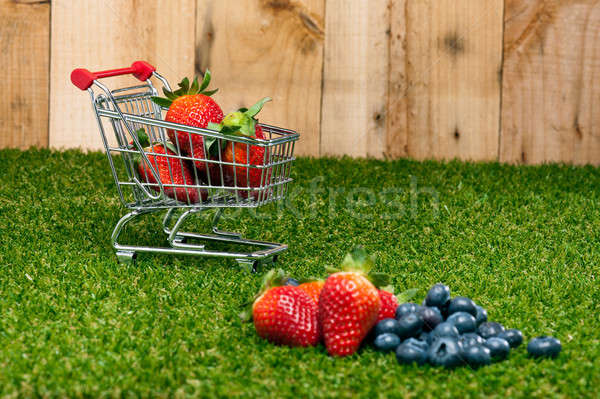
(126, 257)
(275, 257)
(249, 265)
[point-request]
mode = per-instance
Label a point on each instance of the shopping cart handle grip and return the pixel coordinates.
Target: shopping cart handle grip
(83, 78)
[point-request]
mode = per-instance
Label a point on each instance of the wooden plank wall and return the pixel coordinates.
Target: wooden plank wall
(24, 56)
(509, 80)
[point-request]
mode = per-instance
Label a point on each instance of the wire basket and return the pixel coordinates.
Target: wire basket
(189, 179)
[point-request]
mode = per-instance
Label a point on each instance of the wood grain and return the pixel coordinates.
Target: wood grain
(24, 46)
(453, 51)
(258, 48)
(355, 78)
(397, 127)
(551, 82)
(109, 34)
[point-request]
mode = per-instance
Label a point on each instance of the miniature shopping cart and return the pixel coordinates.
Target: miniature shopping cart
(129, 109)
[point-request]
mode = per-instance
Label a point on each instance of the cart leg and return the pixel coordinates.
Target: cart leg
(249, 265)
(220, 232)
(126, 257)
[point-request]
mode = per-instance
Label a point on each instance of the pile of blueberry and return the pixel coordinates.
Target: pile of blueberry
(450, 332)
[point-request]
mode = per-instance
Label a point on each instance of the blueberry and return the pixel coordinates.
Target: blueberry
(410, 325)
(438, 296)
(386, 342)
(431, 317)
(477, 355)
(513, 336)
(291, 281)
(470, 339)
(412, 351)
(405, 309)
(417, 343)
(445, 351)
(489, 329)
(444, 329)
(425, 337)
(544, 347)
(481, 316)
(463, 322)
(386, 326)
(462, 304)
(498, 347)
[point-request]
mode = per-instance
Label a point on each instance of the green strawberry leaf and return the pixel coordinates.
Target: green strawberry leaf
(205, 82)
(142, 137)
(170, 146)
(185, 85)
(230, 129)
(379, 279)
(255, 109)
(210, 92)
(358, 260)
(243, 109)
(248, 127)
(407, 295)
(179, 92)
(163, 102)
(211, 146)
(214, 126)
(169, 94)
(195, 88)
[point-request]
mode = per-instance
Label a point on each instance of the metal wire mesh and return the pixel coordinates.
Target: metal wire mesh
(256, 172)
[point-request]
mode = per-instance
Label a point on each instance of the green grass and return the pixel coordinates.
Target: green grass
(522, 241)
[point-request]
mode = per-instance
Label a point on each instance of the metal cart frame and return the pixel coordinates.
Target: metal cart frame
(129, 109)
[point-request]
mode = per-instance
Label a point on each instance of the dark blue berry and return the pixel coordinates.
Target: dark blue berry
(513, 336)
(386, 326)
(386, 342)
(445, 329)
(405, 309)
(477, 355)
(463, 322)
(544, 347)
(412, 351)
(431, 317)
(462, 304)
(489, 329)
(410, 325)
(499, 347)
(470, 339)
(424, 336)
(291, 281)
(481, 316)
(445, 351)
(438, 296)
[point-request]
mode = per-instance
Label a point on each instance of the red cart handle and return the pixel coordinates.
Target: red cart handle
(83, 78)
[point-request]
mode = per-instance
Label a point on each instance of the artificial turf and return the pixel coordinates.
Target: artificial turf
(521, 241)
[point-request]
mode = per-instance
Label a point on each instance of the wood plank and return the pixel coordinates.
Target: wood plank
(453, 63)
(258, 48)
(551, 82)
(355, 78)
(24, 55)
(397, 127)
(111, 34)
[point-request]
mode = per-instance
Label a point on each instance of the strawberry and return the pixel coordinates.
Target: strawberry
(193, 106)
(313, 289)
(179, 173)
(348, 305)
(243, 123)
(389, 303)
(285, 315)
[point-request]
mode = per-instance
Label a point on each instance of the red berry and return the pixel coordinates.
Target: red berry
(389, 303)
(286, 315)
